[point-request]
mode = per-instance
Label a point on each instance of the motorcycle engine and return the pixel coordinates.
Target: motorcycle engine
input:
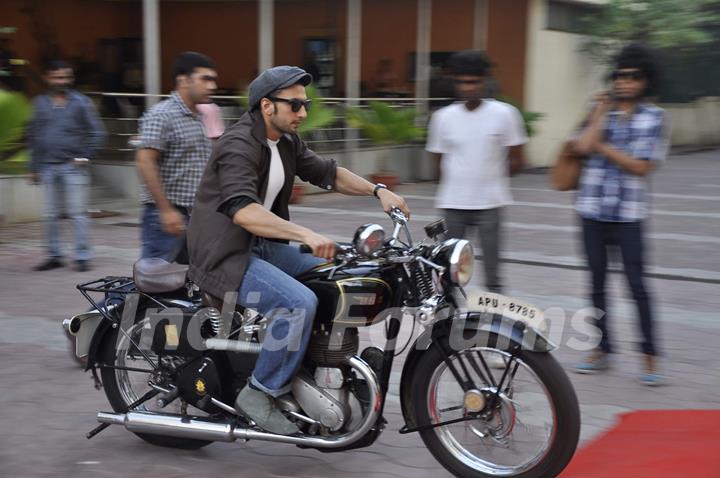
(330, 349)
(326, 398)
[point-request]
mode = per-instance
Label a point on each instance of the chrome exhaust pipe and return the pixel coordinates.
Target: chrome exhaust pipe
(171, 425)
(73, 324)
(204, 429)
(70, 326)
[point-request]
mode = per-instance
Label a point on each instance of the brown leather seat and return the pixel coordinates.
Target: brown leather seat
(156, 276)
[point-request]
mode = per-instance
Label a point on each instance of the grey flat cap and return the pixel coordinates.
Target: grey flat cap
(276, 78)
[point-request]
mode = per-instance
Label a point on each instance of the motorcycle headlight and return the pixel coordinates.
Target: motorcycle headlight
(458, 258)
(462, 263)
(368, 239)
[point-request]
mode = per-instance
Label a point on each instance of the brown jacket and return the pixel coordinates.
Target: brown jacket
(239, 170)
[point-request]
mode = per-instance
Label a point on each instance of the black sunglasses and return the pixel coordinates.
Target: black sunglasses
(295, 104)
(628, 75)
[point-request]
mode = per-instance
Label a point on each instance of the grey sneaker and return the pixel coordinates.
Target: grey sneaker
(596, 362)
(260, 408)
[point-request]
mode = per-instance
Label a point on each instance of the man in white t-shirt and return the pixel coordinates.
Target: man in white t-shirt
(478, 144)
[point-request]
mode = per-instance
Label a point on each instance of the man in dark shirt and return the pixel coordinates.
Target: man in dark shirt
(64, 133)
(238, 232)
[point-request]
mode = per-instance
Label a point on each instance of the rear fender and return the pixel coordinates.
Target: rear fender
(472, 329)
(93, 356)
(104, 326)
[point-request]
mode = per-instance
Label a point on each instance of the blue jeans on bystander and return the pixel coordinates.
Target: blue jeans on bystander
(74, 181)
(155, 241)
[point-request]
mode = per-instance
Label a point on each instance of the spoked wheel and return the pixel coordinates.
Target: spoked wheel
(530, 429)
(123, 387)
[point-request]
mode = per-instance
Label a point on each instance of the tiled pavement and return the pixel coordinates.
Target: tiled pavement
(47, 404)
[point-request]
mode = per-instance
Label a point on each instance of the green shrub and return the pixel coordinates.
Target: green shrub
(15, 111)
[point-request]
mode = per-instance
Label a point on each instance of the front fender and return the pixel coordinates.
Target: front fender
(496, 331)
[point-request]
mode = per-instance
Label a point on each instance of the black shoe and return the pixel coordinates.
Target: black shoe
(82, 266)
(50, 264)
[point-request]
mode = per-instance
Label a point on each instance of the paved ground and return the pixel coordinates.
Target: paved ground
(47, 404)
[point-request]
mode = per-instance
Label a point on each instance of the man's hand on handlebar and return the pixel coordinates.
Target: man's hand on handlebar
(390, 200)
(321, 246)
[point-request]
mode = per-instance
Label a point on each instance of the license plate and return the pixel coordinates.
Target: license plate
(491, 303)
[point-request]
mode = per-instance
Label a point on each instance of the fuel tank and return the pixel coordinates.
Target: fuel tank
(353, 296)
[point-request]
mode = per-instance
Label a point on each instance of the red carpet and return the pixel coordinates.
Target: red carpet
(653, 444)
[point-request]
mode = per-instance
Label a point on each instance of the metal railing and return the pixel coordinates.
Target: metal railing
(122, 111)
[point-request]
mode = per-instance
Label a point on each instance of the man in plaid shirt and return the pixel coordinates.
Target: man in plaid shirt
(172, 155)
(625, 138)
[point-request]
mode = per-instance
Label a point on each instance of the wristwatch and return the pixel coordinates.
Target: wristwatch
(377, 188)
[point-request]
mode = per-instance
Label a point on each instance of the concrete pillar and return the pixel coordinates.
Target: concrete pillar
(266, 33)
(480, 25)
(353, 63)
(353, 51)
(151, 47)
(422, 56)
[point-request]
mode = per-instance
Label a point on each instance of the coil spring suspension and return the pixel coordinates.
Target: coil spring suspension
(216, 322)
(423, 281)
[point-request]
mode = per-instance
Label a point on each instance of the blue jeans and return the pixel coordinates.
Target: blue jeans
(270, 288)
(155, 241)
(74, 181)
(597, 236)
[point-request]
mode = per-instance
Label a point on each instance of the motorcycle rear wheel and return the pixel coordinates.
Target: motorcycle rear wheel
(483, 448)
(122, 390)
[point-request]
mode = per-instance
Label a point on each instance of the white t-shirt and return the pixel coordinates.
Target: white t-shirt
(474, 145)
(277, 176)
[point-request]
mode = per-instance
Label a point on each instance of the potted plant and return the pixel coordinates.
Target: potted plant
(385, 125)
(18, 200)
(15, 111)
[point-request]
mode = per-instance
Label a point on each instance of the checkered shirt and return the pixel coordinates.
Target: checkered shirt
(173, 129)
(608, 193)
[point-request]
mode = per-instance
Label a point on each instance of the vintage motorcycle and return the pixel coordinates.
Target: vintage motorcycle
(478, 384)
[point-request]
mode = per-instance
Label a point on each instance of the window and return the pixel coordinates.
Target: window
(567, 16)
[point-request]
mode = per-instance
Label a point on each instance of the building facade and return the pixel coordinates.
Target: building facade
(354, 48)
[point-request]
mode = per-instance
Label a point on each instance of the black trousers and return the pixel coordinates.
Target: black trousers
(597, 236)
(488, 223)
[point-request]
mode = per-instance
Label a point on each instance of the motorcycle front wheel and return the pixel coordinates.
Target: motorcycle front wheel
(123, 387)
(529, 430)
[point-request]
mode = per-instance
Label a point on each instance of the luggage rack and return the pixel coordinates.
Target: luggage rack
(115, 290)
(110, 284)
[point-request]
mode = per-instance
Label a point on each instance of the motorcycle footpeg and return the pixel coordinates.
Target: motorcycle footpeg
(166, 398)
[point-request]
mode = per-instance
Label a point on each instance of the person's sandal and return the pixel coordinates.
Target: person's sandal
(652, 379)
(594, 363)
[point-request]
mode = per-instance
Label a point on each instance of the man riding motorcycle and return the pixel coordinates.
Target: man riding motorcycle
(239, 229)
